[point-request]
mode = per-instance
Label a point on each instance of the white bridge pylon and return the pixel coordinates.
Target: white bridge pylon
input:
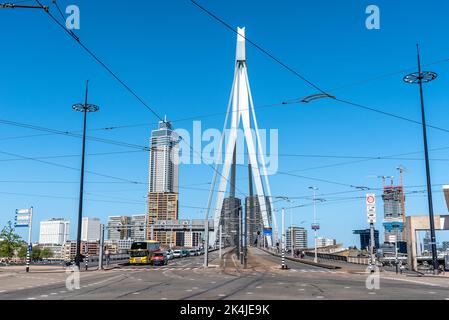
(242, 104)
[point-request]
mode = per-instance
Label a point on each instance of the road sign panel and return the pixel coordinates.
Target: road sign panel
(23, 211)
(370, 199)
(392, 238)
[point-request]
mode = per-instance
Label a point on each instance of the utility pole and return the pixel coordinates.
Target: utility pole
(85, 108)
(401, 173)
(284, 266)
(30, 245)
(315, 225)
(418, 78)
(220, 234)
(100, 261)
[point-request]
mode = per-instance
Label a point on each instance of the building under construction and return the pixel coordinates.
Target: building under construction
(394, 204)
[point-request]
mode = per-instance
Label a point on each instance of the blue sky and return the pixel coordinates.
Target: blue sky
(180, 61)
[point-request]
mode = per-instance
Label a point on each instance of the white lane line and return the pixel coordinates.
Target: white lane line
(62, 291)
(189, 290)
(53, 293)
(21, 288)
(1, 291)
(371, 292)
(347, 287)
(163, 298)
(222, 295)
(412, 281)
(195, 288)
(301, 289)
(136, 293)
(44, 295)
(431, 292)
(258, 287)
(319, 297)
(249, 293)
(31, 299)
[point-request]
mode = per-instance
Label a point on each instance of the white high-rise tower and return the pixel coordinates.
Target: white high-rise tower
(243, 111)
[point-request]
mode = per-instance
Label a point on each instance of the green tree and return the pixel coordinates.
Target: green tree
(46, 253)
(22, 252)
(10, 242)
(36, 254)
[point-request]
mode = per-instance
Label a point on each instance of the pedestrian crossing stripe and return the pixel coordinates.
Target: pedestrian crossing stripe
(158, 269)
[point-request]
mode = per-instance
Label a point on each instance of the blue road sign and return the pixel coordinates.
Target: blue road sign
(267, 231)
(30, 247)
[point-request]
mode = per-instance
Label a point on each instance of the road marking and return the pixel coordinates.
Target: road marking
(21, 288)
(431, 292)
(53, 293)
(222, 295)
(319, 297)
(412, 281)
(195, 288)
(163, 298)
(1, 291)
(62, 291)
(347, 287)
(31, 299)
(249, 293)
(258, 287)
(301, 289)
(136, 293)
(189, 290)
(214, 282)
(44, 295)
(371, 292)
(139, 279)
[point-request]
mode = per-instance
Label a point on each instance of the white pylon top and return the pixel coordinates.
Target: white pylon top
(241, 52)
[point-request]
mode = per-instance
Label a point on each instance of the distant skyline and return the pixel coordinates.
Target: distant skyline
(181, 62)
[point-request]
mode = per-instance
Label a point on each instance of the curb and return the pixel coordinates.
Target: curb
(326, 266)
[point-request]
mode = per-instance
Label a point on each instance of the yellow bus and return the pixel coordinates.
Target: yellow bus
(142, 251)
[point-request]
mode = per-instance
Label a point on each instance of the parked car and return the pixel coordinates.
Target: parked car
(169, 255)
(193, 252)
(185, 253)
(177, 254)
(159, 258)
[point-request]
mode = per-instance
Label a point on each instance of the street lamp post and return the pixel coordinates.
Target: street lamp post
(418, 78)
(315, 226)
(85, 108)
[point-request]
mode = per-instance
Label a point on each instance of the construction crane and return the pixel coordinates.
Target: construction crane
(401, 170)
(384, 179)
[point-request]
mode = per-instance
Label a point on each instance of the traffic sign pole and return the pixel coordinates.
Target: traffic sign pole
(30, 245)
(371, 215)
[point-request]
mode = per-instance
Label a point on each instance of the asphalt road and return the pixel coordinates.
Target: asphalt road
(186, 279)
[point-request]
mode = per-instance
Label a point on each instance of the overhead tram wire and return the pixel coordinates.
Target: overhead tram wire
(77, 39)
(95, 57)
(148, 107)
(310, 83)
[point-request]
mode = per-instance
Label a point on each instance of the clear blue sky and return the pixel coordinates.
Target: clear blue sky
(181, 62)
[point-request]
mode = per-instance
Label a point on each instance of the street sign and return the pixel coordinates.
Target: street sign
(392, 238)
(371, 217)
(370, 199)
(267, 231)
(22, 218)
(371, 207)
